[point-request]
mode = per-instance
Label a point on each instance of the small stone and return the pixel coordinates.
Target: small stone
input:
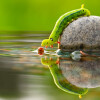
(82, 34)
(76, 55)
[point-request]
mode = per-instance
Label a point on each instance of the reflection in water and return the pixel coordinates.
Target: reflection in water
(9, 81)
(60, 80)
(84, 73)
(22, 77)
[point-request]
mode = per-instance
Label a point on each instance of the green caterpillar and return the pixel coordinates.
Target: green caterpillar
(60, 81)
(63, 22)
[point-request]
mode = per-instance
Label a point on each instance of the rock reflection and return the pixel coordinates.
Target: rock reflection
(84, 73)
(60, 80)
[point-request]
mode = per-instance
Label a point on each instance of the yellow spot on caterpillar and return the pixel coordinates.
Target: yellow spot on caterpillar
(68, 22)
(80, 96)
(82, 6)
(72, 19)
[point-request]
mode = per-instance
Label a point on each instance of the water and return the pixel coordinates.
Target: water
(26, 75)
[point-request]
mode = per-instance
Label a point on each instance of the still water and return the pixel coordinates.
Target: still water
(26, 75)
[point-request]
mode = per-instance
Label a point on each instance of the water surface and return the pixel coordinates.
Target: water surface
(26, 75)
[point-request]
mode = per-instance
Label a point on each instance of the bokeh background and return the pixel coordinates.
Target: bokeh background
(38, 15)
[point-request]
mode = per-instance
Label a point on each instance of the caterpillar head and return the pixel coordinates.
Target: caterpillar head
(48, 61)
(46, 43)
(86, 11)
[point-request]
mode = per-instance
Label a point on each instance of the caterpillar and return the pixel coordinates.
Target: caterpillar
(63, 22)
(60, 81)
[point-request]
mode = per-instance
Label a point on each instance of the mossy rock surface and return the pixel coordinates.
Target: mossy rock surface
(82, 34)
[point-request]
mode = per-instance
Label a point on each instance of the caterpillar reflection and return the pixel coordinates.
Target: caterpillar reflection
(63, 22)
(60, 81)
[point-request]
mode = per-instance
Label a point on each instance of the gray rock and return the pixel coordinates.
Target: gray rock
(82, 34)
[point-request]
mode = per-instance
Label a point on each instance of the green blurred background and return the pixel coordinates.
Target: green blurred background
(38, 15)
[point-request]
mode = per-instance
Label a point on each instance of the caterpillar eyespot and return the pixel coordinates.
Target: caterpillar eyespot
(51, 39)
(63, 22)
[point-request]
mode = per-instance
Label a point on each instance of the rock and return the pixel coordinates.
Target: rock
(82, 34)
